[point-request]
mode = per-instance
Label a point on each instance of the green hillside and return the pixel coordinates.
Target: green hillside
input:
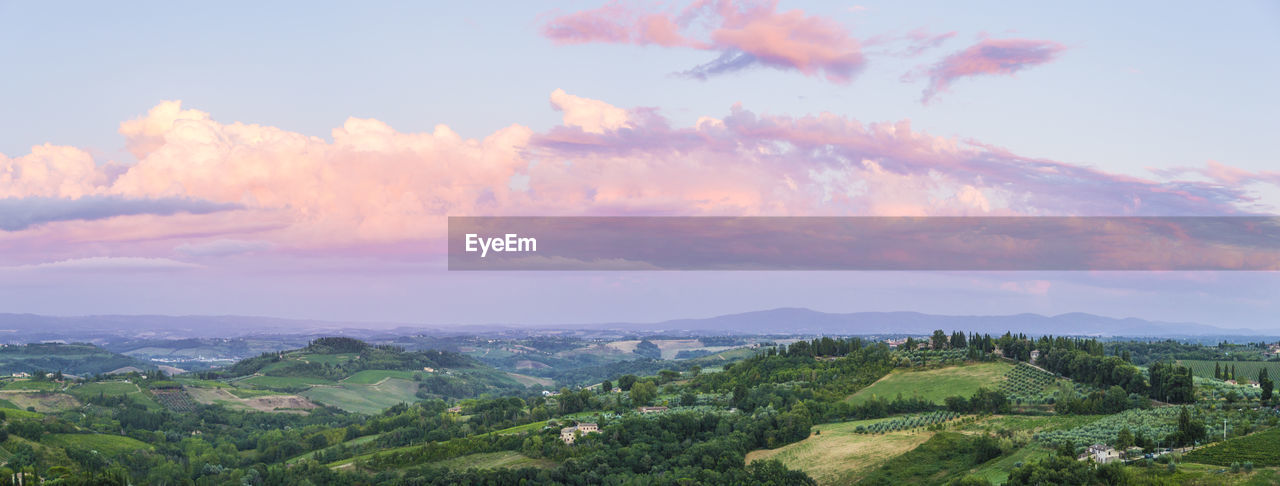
(76, 359)
(935, 384)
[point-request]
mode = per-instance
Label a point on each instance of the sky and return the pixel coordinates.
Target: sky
(299, 159)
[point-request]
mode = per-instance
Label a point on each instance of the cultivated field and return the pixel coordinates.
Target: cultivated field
(43, 402)
(369, 377)
(935, 384)
(285, 381)
(365, 398)
(267, 403)
(527, 380)
(839, 455)
(1245, 370)
(114, 388)
(494, 460)
(107, 445)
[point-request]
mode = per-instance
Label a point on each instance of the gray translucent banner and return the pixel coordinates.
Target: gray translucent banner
(864, 243)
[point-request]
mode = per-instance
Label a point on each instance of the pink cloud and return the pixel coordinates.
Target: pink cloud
(988, 57)
(745, 34)
(1224, 174)
(374, 190)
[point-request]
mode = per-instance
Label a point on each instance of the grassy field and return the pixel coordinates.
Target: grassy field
(935, 384)
(369, 377)
(43, 402)
(187, 381)
(838, 455)
(285, 381)
(250, 392)
(1190, 473)
(365, 398)
(18, 413)
(328, 358)
(114, 388)
(109, 388)
(1028, 423)
(527, 380)
(31, 385)
(349, 443)
(997, 471)
(494, 460)
(1262, 449)
(107, 445)
(1245, 370)
(523, 428)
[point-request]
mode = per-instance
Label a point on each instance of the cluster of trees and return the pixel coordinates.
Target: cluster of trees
(1224, 373)
(1145, 352)
(983, 401)
(646, 349)
(1083, 361)
(824, 346)
(1114, 400)
(1171, 383)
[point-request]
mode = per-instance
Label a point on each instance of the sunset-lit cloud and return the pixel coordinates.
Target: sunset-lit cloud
(1223, 174)
(206, 188)
(744, 34)
(990, 57)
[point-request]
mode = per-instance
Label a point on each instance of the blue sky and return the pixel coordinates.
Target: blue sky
(1137, 85)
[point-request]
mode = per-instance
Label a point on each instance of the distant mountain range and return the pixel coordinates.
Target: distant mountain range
(807, 321)
(16, 328)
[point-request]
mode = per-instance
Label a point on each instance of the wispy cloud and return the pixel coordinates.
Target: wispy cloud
(221, 247)
(109, 265)
(745, 34)
(1223, 174)
(911, 44)
(990, 57)
(21, 213)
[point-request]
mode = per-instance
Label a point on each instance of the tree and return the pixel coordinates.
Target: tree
(1189, 431)
(1124, 439)
(688, 398)
(644, 392)
(1265, 383)
(648, 349)
(627, 381)
(1217, 371)
(939, 340)
(607, 386)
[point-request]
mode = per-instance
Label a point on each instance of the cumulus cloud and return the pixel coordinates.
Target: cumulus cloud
(22, 213)
(592, 116)
(745, 34)
(988, 57)
(375, 189)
